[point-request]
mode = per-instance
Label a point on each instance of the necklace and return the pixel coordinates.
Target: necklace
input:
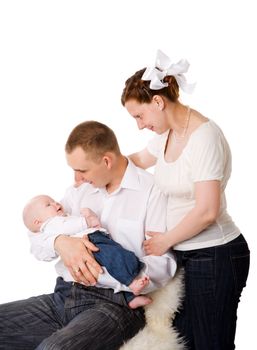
(179, 138)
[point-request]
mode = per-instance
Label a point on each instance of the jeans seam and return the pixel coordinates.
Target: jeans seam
(215, 292)
(205, 259)
(109, 315)
(234, 272)
(240, 256)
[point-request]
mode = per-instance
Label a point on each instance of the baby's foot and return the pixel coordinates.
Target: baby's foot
(141, 300)
(139, 284)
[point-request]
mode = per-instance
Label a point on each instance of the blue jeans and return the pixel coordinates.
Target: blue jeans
(74, 317)
(122, 264)
(214, 280)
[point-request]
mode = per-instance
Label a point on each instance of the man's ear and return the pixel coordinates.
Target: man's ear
(108, 160)
(159, 101)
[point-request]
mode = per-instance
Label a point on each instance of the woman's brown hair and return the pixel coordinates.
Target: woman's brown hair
(139, 90)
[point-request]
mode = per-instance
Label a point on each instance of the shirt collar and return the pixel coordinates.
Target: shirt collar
(131, 179)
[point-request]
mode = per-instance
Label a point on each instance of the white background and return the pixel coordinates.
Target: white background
(63, 62)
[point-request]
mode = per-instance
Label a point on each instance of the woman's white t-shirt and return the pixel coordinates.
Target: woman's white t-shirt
(206, 156)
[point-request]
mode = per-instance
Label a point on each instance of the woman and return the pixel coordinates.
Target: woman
(192, 166)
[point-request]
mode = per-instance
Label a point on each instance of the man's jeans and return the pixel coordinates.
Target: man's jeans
(73, 318)
(214, 280)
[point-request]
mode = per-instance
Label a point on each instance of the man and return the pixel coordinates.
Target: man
(88, 316)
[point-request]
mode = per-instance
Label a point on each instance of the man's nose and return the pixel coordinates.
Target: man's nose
(79, 178)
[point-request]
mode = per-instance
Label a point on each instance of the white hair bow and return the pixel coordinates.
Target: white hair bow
(164, 67)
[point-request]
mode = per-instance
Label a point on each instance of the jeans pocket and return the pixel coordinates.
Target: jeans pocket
(200, 274)
(240, 267)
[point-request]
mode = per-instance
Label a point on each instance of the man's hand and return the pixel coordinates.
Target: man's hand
(76, 254)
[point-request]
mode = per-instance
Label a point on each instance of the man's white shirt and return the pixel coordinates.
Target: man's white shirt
(127, 213)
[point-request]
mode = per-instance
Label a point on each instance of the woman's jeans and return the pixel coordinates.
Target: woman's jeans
(214, 280)
(74, 317)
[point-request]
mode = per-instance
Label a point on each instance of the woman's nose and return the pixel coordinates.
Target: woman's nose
(140, 124)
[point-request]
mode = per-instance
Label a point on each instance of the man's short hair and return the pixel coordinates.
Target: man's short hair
(94, 138)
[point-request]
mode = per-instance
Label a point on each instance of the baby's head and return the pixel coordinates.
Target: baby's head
(38, 210)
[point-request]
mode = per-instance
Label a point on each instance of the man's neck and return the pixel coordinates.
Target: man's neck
(118, 171)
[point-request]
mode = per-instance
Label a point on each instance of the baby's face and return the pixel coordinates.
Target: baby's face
(47, 207)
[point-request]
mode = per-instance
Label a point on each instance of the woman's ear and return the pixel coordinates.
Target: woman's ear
(159, 102)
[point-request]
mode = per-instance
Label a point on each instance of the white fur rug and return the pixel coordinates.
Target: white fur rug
(158, 334)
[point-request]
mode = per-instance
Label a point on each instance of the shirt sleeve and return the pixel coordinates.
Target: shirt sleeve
(160, 269)
(65, 225)
(42, 243)
(207, 157)
(42, 246)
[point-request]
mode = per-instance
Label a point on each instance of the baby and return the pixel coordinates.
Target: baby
(43, 215)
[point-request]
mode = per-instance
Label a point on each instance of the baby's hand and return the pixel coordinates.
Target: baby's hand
(91, 218)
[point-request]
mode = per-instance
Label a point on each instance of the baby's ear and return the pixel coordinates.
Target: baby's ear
(37, 223)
